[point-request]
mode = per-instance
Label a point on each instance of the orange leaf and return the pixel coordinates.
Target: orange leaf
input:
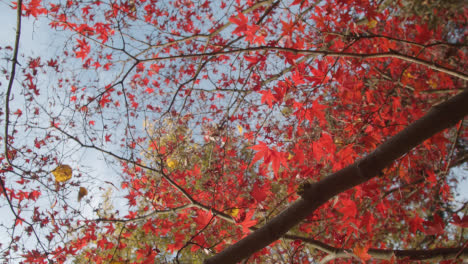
(361, 252)
(62, 173)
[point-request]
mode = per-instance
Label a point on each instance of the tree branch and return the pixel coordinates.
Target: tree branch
(392, 54)
(436, 254)
(12, 79)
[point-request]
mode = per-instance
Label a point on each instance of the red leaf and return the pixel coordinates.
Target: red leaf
(463, 222)
(203, 218)
(349, 209)
(241, 21)
(302, 2)
(368, 221)
(262, 150)
(431, 178)
(52, 63)
(258, 192)
(248, 222)
(269, 155)
(267, 97)
(435, 227)
(83, 49)
(460, 222)
(148, 227)
(416, 224)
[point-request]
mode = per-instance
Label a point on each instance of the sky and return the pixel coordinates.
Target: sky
(37, 39)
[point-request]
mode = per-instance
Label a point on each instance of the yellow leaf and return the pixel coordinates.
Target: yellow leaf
(372, 23)
(171, 163)
(408, 75)
(432, 83)
(240, 129)
(233, 212)
(62, 173)
(290, 156)
(82, 193)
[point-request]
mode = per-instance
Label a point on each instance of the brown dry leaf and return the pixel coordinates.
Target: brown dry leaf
(82, 193)
(62, 173)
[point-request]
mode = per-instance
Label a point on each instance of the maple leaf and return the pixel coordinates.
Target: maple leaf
(267, 97)
(254, 60)
(241, 21)
(248, 222)
(297, 78)
(269, 155)
(18, 112)
(149, 90)
(435, 227)
(361, 252)
(148, 227)
(83, 49)
(179, 242)
(203, 218)
(432, 179)
(104, 100)
(368, 221)
(52, 63)
(288, 28)
(416, 224)
(33, 8)
(143, 253)
(96, 65)
(348, 208)
(258, 192)
(259, 39)
(280, 92)
(463, 222)
(302, 2)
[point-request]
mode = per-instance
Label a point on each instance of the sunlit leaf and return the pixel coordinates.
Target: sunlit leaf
(233, 212)
(62, 173)
(171, 163)
(240, 129)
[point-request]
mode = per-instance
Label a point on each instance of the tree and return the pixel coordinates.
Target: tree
(271, 131)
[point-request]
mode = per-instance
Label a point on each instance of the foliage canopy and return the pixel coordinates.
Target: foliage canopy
(188, 125)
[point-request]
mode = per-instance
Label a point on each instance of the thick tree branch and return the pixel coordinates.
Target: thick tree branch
(439, 118)
(12, 79)
(7, 108)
